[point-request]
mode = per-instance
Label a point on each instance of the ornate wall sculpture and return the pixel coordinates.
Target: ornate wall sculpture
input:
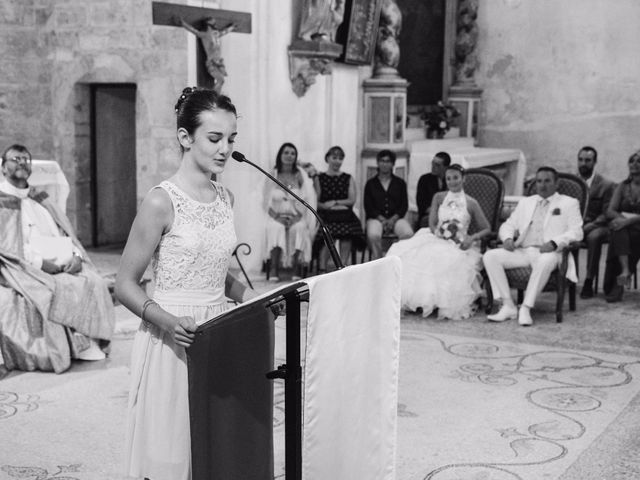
(466, 59)
(314, 49)
(387, 56)
(321, 19)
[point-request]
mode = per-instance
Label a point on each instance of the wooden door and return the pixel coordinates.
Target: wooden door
(113, 162)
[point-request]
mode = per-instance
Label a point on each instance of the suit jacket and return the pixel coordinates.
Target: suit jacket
(562, 224)
(600, 194)
(427, 188)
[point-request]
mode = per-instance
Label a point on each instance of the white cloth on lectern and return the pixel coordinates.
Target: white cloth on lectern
(351, 373)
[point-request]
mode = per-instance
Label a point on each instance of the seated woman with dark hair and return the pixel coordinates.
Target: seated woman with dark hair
(336, 192)
(624, 241)
(441, 264)
(289, 227)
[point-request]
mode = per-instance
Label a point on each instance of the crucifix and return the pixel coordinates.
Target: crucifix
(209, 25)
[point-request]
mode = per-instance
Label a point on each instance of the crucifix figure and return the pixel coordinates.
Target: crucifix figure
(210, 40)
(204, 23)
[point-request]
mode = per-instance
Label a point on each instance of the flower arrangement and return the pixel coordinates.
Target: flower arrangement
(450, 230)
(439, 118)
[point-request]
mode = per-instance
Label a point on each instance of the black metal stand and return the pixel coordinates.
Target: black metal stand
(291, 372)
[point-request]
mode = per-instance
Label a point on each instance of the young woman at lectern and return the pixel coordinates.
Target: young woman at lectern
(185, 229)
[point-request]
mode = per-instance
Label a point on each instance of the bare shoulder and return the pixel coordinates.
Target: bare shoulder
(472, 200)
(439, 196)
(156, 207)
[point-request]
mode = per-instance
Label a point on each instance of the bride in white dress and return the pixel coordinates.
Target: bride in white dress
(441, 264)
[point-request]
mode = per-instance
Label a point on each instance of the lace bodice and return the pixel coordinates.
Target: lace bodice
(454, 208)
(194, 254)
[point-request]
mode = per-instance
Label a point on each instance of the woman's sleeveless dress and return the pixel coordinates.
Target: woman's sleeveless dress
(436, 273)
(341, 223)
(189, 268)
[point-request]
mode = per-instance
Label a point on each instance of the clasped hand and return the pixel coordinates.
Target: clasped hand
(184, 331)
(288, 220)
(509, 245)
(72, 267)
(618, 223)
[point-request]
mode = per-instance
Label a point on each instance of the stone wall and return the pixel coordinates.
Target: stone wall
(52, 51)
(558, 75)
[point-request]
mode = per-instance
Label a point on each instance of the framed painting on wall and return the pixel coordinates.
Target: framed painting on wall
(359, 30)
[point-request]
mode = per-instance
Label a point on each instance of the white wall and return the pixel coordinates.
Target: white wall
(270, 113)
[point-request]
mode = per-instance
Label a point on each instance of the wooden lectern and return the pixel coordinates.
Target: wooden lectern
(230, 368)
(351, 346)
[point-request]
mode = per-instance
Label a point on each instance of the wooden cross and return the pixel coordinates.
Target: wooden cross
(208, 25)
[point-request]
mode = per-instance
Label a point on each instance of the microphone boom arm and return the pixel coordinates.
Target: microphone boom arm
(326, 235)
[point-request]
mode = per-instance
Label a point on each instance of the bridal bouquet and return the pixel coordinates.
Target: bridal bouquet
(450, 230)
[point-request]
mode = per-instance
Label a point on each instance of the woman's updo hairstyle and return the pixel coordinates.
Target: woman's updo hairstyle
(193, 101)
(457, 167)
(335, 150)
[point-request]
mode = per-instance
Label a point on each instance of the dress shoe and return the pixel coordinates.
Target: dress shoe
(524, 317)
(506, 312)
(92, 353)
(587, 290)
(615, 295)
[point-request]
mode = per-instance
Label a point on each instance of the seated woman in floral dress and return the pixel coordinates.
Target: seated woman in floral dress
(336, 192)
(289, 228)
(441, 264)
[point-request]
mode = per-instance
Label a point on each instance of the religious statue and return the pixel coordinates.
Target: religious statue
(387, 55)
(321, 19)
(466, 60)
(210, 40)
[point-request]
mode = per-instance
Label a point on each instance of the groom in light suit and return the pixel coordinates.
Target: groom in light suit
(535, 234)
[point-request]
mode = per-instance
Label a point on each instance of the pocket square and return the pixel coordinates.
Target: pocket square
(556, 211)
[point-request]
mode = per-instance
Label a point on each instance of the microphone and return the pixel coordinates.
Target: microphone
(326, 235)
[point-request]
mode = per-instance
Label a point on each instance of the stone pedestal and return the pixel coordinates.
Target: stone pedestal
(385, 106)
(466, 99)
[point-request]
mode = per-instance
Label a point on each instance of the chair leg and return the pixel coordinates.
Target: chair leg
(572, 296)
(561, 282)
(487, 288)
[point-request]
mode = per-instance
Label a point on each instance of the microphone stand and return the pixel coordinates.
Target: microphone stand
(326, 235)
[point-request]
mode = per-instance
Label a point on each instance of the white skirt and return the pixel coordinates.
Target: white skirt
(158, 442)
(437, 274)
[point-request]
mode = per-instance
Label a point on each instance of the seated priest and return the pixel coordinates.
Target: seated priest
(55, 305)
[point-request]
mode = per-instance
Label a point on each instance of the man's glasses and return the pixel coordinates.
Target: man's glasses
(20, 159)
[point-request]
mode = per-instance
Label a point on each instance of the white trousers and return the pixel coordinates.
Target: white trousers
(542, 264)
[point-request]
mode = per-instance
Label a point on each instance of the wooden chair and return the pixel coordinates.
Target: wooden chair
(487, 188)
(573, 186)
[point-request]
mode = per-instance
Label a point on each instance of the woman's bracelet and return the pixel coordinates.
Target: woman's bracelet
(146, 305)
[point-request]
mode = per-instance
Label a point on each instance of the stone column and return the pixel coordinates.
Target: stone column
(465, 95)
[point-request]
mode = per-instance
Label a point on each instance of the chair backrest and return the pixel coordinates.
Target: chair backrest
(487, 188)
(570, 185)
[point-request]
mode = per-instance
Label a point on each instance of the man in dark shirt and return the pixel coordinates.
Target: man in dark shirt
(385, 204)
(429, 184)
(595, 228)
